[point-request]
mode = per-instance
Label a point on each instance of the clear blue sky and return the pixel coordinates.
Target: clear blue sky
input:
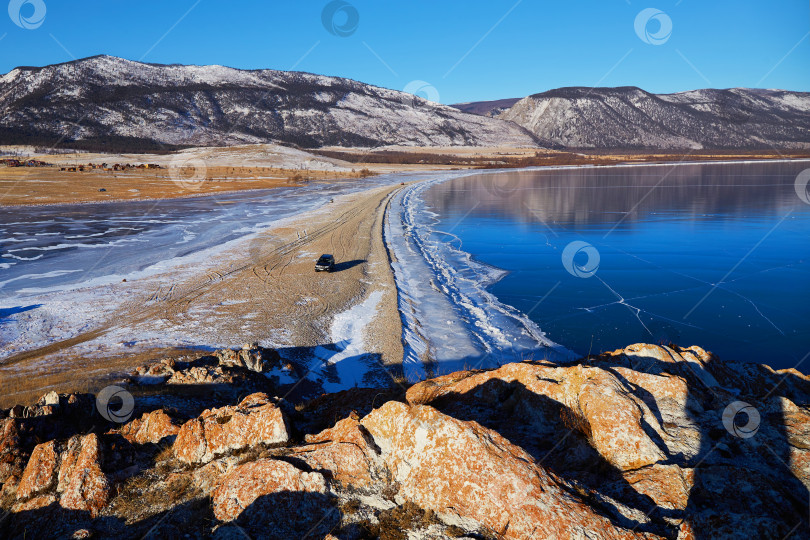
(467, 50)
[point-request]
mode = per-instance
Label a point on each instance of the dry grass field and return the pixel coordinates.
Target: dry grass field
(49, 185)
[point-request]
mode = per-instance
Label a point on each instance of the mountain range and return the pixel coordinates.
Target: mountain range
(629, 117)
(104, 101)
(104, 98)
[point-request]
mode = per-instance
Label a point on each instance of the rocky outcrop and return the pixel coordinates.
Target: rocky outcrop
(471, 475)
(255, 420)
(156, 373)
(642, 442)
(22, 428)
(346, 453)
(225, 367)
(648, 421)
(70, 474)
(251, 357)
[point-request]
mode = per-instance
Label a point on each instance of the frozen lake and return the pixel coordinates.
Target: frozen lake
(716, 255)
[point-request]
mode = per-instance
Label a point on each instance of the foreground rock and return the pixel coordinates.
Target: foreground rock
(642, 442)
(81, 481)
(73, 476)
(255, 420)
(472, 476)
(240, 488)
(40, 473)
(346, 452)
(642, 431)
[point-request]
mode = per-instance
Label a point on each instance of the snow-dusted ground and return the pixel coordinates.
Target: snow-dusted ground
(63, 266)
(52, 248)
(348, 355)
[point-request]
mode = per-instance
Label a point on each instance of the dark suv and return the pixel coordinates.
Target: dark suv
(326, 262)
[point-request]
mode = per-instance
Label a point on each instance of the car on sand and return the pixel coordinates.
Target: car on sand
(326, 263)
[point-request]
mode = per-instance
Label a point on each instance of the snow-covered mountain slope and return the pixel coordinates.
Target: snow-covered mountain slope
(108, 98)
(628, 117)
(486, 108)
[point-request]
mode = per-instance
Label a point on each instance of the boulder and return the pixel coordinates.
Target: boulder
(152, 427)
(51, 398)
(81, 482)
(251, 357)
(275, 500)
(154, 373)
(39, 475)
(345, 452)
(255, 420)
(205, 375)
(238, 489)
(472, 475)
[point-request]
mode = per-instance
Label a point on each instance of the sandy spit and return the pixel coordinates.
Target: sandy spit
(264, 290)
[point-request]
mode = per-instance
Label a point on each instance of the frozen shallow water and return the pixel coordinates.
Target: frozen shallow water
(45, 248)
(449, 317)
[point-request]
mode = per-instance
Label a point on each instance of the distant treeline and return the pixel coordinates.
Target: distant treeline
(110, 144)
(429, 158)
(541, 158)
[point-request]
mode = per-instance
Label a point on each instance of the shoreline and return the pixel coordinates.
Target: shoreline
(466, 261)
(405, 170)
